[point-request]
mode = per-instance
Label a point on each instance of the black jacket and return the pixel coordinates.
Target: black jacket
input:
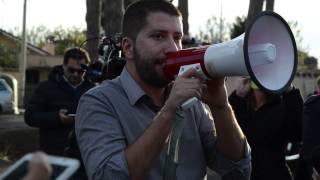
(268, 131)
(43, 110)
(311, 137)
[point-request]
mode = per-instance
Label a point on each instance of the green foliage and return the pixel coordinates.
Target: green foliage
(301, 57)
(9, 57)
(302, 50)
(215, 31)
(311, 63)
(37, 35)
(63, 38)
(66, 38)
(238, 27)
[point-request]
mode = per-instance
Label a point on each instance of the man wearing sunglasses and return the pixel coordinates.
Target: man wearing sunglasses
(54, 102)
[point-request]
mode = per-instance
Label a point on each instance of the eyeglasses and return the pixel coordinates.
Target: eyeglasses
(73, 70)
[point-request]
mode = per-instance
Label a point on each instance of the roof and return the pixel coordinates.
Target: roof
(30, 47)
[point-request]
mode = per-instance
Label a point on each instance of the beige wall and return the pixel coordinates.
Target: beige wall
(43, 61)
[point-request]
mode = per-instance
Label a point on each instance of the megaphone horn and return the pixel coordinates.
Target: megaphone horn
(266, 52)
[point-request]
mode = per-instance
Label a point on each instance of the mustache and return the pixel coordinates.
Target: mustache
(160, 60)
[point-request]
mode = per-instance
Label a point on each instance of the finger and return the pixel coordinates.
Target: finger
(215, 82)
(190, 86)
(190, 93)
(63, 111)
(191, 72)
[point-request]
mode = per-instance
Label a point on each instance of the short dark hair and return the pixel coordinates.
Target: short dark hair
(136, 14)
(77, 54)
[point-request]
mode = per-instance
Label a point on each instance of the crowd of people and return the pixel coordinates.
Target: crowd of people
(124, 127)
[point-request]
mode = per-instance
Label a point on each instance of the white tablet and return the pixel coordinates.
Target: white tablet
(63, 168)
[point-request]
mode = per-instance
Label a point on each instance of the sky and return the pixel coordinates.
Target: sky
(68, 13)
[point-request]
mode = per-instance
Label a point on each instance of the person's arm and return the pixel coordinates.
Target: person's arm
(293, 103)
(230, 138)
(216, 161)
(227, 151)
(310, 126)
(146, 150)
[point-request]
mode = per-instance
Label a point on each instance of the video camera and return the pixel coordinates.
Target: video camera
(110, 61)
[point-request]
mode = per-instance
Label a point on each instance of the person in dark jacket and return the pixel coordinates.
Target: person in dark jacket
(269, 122)
(309, 155)
(54, 101)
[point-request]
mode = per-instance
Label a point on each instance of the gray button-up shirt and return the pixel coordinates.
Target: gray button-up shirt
(113, 115)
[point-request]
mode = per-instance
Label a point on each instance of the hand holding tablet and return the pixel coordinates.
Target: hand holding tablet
(61, 168)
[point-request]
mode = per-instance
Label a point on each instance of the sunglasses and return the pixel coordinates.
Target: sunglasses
(72, 70)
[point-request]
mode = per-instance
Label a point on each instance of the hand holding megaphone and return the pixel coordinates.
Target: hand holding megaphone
(187, 85)
(209, 88)
(188, 69)
(267, 53)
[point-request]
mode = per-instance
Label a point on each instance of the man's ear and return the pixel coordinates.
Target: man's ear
(127, 47)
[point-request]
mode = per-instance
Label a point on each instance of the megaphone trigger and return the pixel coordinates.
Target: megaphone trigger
(183, 69)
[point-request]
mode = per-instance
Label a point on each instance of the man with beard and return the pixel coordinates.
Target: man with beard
(124, 124)
(54, 101)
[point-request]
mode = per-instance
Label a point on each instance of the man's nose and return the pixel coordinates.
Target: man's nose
(172, 46)
(76, 73)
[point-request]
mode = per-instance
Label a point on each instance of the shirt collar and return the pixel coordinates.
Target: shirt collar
(73, 86)
(130, 86)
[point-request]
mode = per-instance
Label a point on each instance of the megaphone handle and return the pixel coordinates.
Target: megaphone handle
(189, 103)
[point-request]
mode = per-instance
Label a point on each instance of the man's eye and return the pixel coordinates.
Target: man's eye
(157, 36)
(178, 38)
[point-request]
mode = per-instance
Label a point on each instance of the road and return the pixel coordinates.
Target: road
(16, 138)
(12, 122)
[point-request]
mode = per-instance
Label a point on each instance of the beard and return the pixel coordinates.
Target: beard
(145, 68)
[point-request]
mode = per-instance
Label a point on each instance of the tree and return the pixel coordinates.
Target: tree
(112, 17)
(238, 27)
(66, 38)
(311, 63)
(256, 6)
(302, 51)
(215, 31)
(61, 37)
(269, 5)
(183, 7)
(127, 2)
(93, 19)
(37, 35)
(9, 56)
